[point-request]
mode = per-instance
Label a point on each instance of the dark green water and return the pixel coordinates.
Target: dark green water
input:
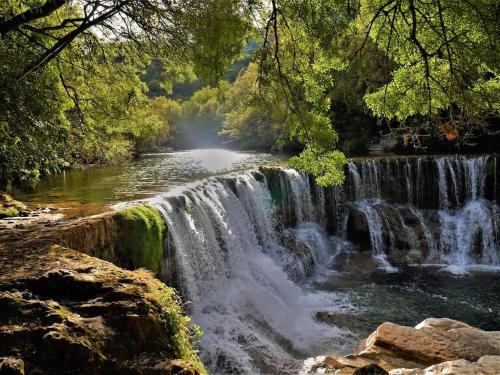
(415, 293)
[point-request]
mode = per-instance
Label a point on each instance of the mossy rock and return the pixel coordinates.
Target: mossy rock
(9, 207)
(70, 313)
(8, 212)
(141, 231)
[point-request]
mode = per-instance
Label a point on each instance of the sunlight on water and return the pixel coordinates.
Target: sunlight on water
(90, 190)
(215, 160)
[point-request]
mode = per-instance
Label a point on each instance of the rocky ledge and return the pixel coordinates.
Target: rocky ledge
(65, 312)
(10, 207)
(433, 347)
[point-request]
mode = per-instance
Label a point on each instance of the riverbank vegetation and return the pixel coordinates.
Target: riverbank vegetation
(101, 81)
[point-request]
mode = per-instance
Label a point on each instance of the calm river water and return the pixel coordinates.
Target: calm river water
(87, 191)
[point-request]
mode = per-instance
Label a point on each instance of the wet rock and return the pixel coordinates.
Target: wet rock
(356, 324)
(300, 260)
(358, 231)
(356, 263)
(281, 196)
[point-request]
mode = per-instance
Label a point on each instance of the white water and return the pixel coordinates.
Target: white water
(465, 224)
(232, 267)
(248, 276)
(465, 230)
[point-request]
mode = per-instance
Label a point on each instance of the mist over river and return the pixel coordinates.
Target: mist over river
(92, 190)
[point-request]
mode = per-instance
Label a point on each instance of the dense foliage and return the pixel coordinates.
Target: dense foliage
(322, 74)
(70, 76)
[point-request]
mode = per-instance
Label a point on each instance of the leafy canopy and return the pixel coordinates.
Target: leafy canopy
(71, 89)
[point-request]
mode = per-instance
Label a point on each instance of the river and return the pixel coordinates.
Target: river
(277, 269)
(86, 191)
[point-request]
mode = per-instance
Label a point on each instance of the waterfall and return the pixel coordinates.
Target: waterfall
(469, 236)
(428, 209)
(301, 192)
(442, 181)
(243, 277)
(247, 247)
(374, 225)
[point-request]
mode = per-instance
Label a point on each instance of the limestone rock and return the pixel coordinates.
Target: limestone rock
(62, 311)
(430, 346)
(433, 347)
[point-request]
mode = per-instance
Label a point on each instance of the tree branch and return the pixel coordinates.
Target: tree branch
(30, 15)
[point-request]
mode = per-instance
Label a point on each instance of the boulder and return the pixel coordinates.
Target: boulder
(358, 231)
(430, 346)
(355, 263)
(62, 311)
(300, 260)
(435, 346)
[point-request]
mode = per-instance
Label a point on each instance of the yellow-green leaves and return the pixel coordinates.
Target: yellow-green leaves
(327, 167)
(445, 52)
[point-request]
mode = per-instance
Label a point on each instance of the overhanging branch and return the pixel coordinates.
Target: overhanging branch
(30, 15)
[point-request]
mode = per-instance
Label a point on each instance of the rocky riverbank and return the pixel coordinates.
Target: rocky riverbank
(64, 312)
(433, 347)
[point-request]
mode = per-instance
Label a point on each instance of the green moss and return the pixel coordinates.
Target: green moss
(141, 230)
(8, 212)
(183, 333)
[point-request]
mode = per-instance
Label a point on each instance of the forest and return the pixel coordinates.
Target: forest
(102, 81)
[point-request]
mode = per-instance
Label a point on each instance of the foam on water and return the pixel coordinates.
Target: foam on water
(233, 270)
(249, 263)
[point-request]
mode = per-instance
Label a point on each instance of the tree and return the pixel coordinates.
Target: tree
(70, 89)
(249, 121)
(441, 57)
(425, 67)
(446, 62)
(201, 118)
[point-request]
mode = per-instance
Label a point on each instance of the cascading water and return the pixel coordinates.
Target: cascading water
(248, 248)
(238, 275)
(446, 215)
